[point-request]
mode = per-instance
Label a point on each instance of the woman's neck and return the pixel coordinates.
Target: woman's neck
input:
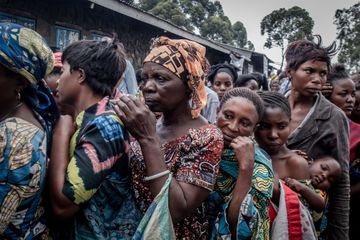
(85, 101)
(177, 116)
(296, 99)
(280, 153)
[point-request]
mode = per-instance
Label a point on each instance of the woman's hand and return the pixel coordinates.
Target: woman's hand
(327, 89)
(137, 117)
(65, 125)
(244, 152)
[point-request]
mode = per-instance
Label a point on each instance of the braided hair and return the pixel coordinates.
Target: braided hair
(247, 94)
(275, 100)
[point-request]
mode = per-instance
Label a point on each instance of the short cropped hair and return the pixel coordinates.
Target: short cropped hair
(102, 61)
(302, 51)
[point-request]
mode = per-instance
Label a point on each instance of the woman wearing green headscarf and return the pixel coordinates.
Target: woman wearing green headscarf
(27, 113)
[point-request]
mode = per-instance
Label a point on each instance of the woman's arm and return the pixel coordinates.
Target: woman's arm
(183, 197)
(61, 205)
(245, 154)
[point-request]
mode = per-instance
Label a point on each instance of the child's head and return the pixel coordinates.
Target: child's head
(98, 65)
(324, 172)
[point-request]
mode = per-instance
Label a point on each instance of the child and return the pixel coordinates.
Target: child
(313, 192)
(323, 173)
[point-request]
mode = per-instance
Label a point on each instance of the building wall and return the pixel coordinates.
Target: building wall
(79, 15)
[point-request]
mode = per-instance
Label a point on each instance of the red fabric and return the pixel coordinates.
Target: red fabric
(354, 141)
(57, 57)
(293, 214)
(272, 214)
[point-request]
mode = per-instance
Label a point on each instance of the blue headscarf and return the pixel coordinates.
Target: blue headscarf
(25, 52)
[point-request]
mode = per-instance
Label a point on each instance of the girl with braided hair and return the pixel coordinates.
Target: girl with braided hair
(292, 166)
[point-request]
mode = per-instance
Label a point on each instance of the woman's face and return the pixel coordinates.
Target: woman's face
(343, 95)
(67, 85)
(237, 117)
(275, 86)
(356, 111)
(308, 79)
(222, 83)
(252, 85)
(162, 90)
(9, 87)
(273, 130)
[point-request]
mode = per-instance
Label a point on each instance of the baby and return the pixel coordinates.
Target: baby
(323, 173)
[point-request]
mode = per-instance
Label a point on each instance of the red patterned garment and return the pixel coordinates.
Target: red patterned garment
(194, 159)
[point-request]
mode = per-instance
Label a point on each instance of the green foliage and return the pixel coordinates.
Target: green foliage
(147, 5)
(240, 35)
(205, 16)
(283, 26)
(250, 46)
(348, 26)
(171, 11)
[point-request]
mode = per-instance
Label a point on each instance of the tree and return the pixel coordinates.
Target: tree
(217, 28)
(348, 32)
(170, 10)
(283, 26)
(204, 16)
(147, 5)
(240, 35)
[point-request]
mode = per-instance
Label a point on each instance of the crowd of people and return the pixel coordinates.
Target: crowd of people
(179, 150)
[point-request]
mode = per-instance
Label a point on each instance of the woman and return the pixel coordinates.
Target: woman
(355, 115)
(248, 81)
(343, 96)
(318, 127)
(27, 113)
(181, 151)
(289, 166)
(244, 186)
(222, 78)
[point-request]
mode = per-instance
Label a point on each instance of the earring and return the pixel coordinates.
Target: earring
(18, 96)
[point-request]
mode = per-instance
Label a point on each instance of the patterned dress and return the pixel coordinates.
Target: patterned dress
(97, 177)
(23, 165)
(253, 220)
(193, 159)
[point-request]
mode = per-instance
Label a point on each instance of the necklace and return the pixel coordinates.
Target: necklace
(11, 111)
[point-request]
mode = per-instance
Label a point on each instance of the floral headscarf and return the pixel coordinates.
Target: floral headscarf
(186, 59)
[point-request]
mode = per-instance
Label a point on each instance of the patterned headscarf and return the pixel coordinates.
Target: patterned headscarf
(186, 59)
(25, 52)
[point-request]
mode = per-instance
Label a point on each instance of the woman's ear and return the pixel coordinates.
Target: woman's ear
(289, 74)
(21, 83)
(82, 75)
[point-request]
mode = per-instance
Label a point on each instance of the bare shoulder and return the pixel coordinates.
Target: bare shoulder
(299, 166)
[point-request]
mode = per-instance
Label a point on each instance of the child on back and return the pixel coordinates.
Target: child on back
(323, 173)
